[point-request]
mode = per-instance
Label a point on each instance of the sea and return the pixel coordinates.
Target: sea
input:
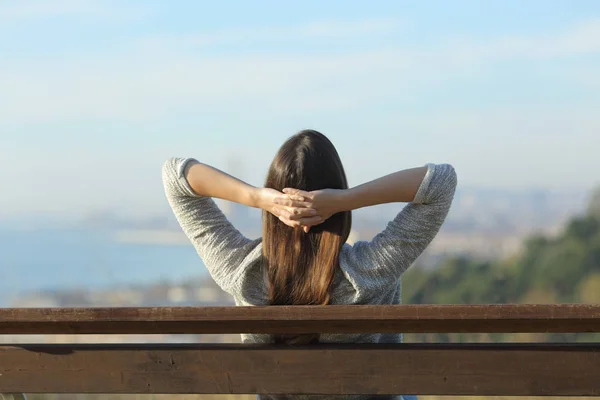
(50, 259)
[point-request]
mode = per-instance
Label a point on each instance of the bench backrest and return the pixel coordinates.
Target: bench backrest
(423, 369)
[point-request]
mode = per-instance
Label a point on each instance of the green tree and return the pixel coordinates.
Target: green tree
(589, 289)
(565, 268)
(594, 204)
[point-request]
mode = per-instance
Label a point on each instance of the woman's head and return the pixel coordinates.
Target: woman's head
(300, 265)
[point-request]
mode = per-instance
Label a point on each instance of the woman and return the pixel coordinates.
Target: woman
(303, 257)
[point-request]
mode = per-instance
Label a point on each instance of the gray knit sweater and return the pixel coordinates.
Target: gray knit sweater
(369, 272)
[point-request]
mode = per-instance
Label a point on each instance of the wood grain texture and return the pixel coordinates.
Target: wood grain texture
(303, 319)
(503, 369)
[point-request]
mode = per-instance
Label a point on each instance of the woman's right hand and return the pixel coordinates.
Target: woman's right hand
(325, 202)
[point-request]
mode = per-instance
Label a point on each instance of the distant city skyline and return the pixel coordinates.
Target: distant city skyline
(95, 95)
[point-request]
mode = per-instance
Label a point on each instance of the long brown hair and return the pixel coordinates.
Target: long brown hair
(301, 266)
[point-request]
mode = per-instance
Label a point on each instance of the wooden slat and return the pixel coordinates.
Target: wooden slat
(303, 319)
(509, 370)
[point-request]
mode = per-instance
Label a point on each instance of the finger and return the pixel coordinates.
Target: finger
(289, 222)
(295, 197)
(282, 212)
(283, 201)
(294, 214)
(310, 221)
(287, 196)
(296, 192)
(298, 213)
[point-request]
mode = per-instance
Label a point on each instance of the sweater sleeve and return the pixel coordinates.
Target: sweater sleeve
(383, 260)
(220, 245)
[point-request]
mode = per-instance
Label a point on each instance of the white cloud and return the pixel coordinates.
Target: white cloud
(327, 29)
(149, 82)
(150, 85)
(579, 39)
(504, 147)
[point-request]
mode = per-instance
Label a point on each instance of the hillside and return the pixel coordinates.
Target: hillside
(560, 269)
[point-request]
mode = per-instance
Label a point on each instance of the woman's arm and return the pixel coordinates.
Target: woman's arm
(381, 261)
(189, 187)
(220, 245)
(399, 187)
(208, 181)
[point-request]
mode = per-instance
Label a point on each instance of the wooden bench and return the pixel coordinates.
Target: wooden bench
(422, 369)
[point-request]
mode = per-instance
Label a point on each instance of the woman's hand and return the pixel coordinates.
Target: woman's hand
(324, 203)
(290, 209)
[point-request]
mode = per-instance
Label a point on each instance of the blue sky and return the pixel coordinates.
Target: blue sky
(95, 95)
